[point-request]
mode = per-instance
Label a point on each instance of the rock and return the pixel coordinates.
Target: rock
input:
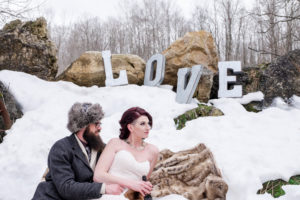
(254, 106)
(88, 69)
(250, 79)
(281, 78)
(12, 107)
(194, 48)
(201, 111)
(192, 173)
(25, 47)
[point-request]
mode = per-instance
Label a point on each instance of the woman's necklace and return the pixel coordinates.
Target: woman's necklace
(140, 148)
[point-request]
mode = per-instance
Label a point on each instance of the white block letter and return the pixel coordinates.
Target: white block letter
(186, 90)
(160, 70)
(110, 81)
(224, 79)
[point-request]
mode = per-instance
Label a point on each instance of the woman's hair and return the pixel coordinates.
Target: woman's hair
(128, 117)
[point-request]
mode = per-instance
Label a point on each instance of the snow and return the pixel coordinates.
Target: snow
(249, 148)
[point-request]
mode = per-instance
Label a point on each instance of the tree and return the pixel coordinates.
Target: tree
(15, 9)
(279, 22)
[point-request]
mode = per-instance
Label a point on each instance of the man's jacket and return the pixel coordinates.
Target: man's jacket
(70, 175)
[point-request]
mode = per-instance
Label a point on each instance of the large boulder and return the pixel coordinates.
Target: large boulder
(25, 47)
(88, 69)
(13, 108)
(281, 78)
(194, 48)
(192, 173)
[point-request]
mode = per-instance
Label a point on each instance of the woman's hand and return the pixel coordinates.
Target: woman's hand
(140, 186)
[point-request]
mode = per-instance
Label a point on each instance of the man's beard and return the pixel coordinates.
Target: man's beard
(94, 141)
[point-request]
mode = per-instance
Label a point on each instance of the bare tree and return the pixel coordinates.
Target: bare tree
(15, 9)
(147, 27)
(278, 20)
(229, 13)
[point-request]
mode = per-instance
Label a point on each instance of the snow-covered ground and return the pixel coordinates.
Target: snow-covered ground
(249, 148)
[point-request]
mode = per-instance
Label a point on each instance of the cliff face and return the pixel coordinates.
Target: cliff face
(25, 47)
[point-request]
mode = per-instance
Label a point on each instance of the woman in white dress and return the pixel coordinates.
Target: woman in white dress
(126, 159)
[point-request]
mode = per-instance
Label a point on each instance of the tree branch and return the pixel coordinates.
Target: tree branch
(263, 51)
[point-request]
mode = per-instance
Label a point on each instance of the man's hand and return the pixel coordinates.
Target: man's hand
(113, 189)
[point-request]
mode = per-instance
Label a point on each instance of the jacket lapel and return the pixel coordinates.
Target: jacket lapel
(77, 151)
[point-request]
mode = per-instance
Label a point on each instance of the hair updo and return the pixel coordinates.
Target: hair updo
(128, 117)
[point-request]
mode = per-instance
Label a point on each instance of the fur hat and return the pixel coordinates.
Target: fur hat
(82, 114)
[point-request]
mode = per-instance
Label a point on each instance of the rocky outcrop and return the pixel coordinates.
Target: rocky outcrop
(12, 107)
(194, 48)
(192, 173)
(281, 78)
(250, 79)
(201, 111)
(25, 47)
(88, 69)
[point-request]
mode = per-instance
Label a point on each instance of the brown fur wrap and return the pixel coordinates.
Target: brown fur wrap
(192, 173)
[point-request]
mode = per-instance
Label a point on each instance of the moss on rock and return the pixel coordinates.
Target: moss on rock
(274, 187)
(201, 111)
(254, 106)
(12, 25)
(37, 27)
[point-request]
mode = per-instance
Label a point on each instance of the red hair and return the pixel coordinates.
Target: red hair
(128, 117)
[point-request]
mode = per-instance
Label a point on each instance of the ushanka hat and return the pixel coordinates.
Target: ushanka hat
(82, 114)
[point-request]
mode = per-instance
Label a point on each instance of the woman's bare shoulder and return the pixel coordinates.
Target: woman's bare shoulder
(115, 141)
(153, 149)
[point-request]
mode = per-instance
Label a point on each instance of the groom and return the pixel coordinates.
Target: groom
(72, 160)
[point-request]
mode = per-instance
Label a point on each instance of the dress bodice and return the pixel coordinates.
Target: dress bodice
(125, 165)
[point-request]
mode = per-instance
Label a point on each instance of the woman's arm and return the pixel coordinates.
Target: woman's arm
(104, 163)
(154, 156)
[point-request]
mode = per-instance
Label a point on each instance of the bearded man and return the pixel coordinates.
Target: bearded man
(72, 160)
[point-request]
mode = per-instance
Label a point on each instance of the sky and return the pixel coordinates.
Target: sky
(249, 148)
(71, 10)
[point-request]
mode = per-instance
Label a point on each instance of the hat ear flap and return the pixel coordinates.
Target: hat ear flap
(95, 113)
(77, 118)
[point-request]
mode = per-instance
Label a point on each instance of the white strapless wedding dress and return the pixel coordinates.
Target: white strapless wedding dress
(126, 166)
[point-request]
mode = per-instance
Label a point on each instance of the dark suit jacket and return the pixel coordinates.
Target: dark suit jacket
(70, 175)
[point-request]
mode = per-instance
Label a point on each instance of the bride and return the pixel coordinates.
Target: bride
(126, 159)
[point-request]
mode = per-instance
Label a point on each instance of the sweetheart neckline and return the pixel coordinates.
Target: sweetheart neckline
(133, 156)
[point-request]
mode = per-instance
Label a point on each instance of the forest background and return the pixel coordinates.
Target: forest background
(253, 34)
